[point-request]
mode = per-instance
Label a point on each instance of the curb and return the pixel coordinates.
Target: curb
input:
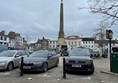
(107, 72)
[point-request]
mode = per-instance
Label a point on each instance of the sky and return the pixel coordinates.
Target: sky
(40, 18)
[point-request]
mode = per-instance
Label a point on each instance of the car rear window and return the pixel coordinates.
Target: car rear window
(79, 52)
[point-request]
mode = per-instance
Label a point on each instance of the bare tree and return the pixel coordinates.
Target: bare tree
(100, 31)
(107, 8)
(100, 35)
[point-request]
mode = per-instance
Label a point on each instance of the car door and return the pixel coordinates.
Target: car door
(17, 58)
(52, 59)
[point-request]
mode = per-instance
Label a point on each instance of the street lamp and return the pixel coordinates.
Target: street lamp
(109, 35)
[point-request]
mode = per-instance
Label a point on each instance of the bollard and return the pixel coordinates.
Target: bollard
(64, 72)
(21, 67)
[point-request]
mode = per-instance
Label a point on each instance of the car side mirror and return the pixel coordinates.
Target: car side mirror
(49, 56)
(17, 56)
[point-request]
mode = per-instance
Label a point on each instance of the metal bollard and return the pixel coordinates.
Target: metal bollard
(21, 66)
(64, 72)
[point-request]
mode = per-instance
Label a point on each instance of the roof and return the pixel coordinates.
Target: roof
(72, 37)
(88, 39)
(106, 41)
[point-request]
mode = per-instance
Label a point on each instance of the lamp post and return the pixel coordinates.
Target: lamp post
(109, 35)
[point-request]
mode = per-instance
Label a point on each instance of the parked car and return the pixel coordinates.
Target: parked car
(93, 53)
(64, 50)
(11, 58)
(40, 61)
(3, 47)
(79, 60)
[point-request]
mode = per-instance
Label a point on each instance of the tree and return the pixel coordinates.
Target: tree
(107, 8)
(100, 33)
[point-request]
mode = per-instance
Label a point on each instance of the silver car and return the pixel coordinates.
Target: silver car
(11, 58)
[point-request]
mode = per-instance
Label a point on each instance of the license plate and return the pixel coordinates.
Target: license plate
(26, 67)
(76, 65)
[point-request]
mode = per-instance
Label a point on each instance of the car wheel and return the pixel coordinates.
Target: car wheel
(45, 67)
(57, 62)
(10, 66)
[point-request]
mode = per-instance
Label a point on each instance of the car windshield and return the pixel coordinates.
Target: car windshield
(79, 52)
(42, 54)
(7, 54)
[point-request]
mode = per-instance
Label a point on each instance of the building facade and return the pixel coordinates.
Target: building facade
(74, 41)
(4, 39)
(41, 44)
(88, 42)
(52, 44)
(15, 40)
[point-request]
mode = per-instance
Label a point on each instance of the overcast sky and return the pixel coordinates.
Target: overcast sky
(40, 18)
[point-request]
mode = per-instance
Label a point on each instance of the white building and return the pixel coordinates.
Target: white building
(88, 42)
(4, 40)
(73, 41)
(52, 44)
(17, 42)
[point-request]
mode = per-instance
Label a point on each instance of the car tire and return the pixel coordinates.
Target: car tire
(45, 67)
(57, 62)
(10, 66)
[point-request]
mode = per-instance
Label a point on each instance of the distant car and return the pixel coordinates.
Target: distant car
(64, 50)
(40, 61)
(11, 58)
(79, 60)
(94, 53)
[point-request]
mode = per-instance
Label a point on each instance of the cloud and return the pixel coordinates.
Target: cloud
(38, 18)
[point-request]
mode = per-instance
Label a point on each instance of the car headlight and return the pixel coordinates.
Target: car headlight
(2, 63)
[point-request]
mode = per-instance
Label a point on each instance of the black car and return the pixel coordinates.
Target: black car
(41, 61)
(79, 60)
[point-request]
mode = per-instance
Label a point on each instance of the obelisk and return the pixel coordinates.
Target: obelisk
(61, 29)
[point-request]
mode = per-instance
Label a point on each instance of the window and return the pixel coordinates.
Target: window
(1, 38)
(53, 42)
(75, 43)
(80, 43)
(72, 43)
(53, 46)
(5, 38)
(83, 42)
(19, 54)
(68, 43)
(89, 42)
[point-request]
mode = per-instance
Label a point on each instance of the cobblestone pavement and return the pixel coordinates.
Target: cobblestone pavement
(54, 75)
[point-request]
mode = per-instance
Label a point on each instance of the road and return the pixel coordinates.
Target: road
(55, 75)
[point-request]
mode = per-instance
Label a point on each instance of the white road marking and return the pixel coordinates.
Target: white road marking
(86, 78)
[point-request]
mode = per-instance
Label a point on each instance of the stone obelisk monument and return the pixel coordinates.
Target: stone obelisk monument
(61, 40)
